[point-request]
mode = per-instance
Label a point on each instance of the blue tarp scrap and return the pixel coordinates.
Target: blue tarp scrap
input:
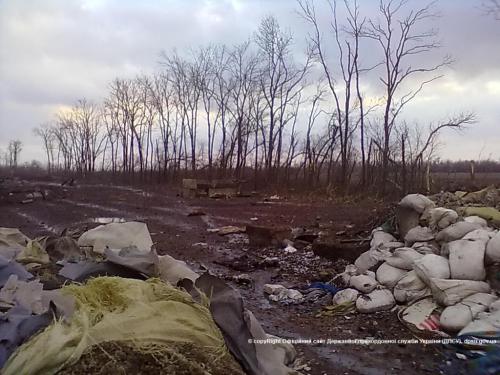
(10, 267)
(330, 288)
(16, 326)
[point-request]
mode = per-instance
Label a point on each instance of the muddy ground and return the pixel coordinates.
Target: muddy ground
(185, 237)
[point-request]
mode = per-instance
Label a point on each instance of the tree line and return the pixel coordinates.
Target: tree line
(263, 109)
(10, 157)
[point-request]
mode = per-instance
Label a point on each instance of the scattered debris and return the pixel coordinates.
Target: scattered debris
(192, 188)
(334, 250)
(230, 229)
(196, 213)
(203, 245)
(422, 314)
(341, 309)
(278, 292)
(330, 288)
(266, 236)
(69, 182)
(242, 279)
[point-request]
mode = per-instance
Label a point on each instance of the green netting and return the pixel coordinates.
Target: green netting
(113, 309)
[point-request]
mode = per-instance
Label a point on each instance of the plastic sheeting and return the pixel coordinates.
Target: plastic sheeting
(131, 262)
(117, 236)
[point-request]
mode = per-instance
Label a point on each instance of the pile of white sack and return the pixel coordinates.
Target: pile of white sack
(439, 255)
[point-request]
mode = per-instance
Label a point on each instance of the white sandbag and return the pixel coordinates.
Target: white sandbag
(350, 271)
(445, 249)
(427, 247)
(367, 260)
(417, 202)
(456, 317)
(403, 258)
(371, 274)
(391, 246)
(345, 296)
(483, 235)
(409, 295)
(484, 299)
(378, 300)
(363, 283)
(294, 294)
(379, 237)
(410, 287)
(476, 220)
(117, 236)
(493, 249)
(371, 259)
(432, 266)
(418, 234)
(406, 218)
(273, 288)
(389, 276)
(450, 292)
(467, 260)
(456, 231)
(484, 322)
(495, 306)
(440, 218)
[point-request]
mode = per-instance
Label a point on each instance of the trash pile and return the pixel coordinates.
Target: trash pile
(440, 263)
(224, 188)
(121, 307)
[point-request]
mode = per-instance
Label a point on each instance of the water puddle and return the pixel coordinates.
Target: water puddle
(91, 205)
(108, 220)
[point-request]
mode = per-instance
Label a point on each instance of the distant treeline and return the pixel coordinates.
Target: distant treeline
(261, 110)
(464, 166)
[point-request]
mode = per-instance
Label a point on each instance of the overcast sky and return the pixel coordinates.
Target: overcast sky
(54, 52)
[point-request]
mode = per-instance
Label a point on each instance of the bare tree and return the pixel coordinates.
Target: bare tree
(14, 149)
(492, 8)
(401, 40)
(418, 148)
(46, 133)
(346, 94)
(243, 65)
(281, 81)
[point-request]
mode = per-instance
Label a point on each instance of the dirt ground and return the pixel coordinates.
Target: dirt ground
(186, 237)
